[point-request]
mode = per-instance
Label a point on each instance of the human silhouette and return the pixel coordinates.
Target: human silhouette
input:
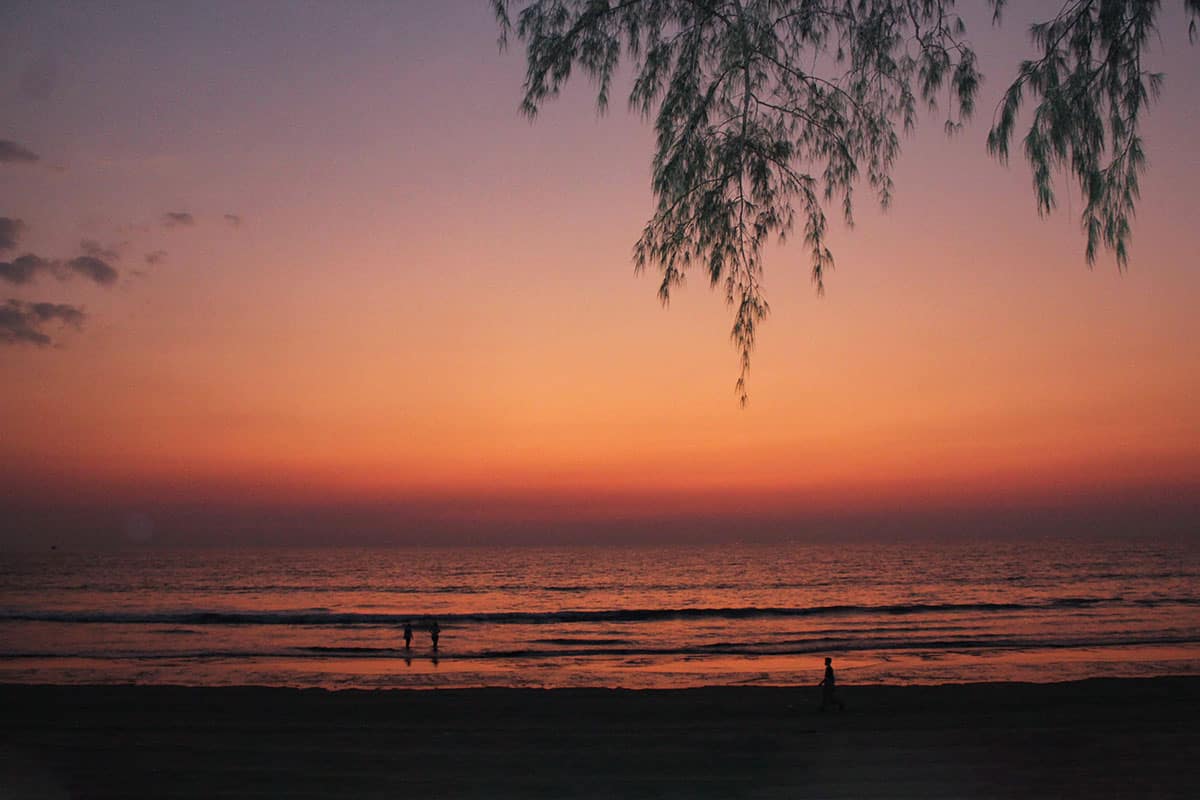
(828, 686)
(407, 635)
(434, 631)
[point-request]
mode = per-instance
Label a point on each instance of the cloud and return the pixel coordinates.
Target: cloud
(13, 153)
(93, 248)
(157, 257)
(23, 269)
(234, 219)
(93, 265)
(96, 269)
(24, 323)
(176, 219)
(10, 232)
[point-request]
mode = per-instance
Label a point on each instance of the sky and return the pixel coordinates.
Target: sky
(308, 275)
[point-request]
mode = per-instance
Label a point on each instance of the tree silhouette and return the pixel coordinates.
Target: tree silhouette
(768, 110)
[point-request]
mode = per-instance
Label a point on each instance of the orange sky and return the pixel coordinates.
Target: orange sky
(430, 301)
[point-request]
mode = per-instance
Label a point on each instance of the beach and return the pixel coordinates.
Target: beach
(1092, 738)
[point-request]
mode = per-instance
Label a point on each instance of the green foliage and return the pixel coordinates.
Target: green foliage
(1091, 89)
(766, 111)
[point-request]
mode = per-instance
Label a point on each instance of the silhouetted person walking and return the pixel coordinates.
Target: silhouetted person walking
(828, 686)
(408, 636)
(434, 631)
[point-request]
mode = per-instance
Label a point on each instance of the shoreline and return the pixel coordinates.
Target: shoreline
(7, 687)
(1100, 737)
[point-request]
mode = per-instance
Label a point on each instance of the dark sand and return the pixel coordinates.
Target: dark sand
(1099, 738)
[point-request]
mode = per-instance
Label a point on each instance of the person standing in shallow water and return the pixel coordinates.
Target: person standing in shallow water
(828, 686)
(407, 635)
(434, 631)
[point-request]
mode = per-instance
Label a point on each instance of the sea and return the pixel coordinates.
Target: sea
(604, 616)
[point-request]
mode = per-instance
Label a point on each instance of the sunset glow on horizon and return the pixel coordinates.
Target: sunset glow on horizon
(391, 291)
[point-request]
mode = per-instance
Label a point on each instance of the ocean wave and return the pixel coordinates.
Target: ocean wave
(969, 644)
(325, 617)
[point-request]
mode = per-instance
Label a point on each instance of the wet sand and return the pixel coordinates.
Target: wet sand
(1098, 738)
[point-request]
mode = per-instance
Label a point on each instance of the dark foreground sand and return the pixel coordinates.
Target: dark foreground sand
(1100, 738)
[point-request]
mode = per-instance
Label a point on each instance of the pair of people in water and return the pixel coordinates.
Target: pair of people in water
(435, 631)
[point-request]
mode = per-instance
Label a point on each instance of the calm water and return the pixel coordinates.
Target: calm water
(593, 616)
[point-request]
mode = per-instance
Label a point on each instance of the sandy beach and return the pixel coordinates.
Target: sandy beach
(1095, 738)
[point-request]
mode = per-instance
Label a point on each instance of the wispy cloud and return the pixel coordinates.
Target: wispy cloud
(234, 219)
(13, 153)
(10, 233)
(40, 77)
(26, 323)
(157, 257)
(90, 247)
(178, 219)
